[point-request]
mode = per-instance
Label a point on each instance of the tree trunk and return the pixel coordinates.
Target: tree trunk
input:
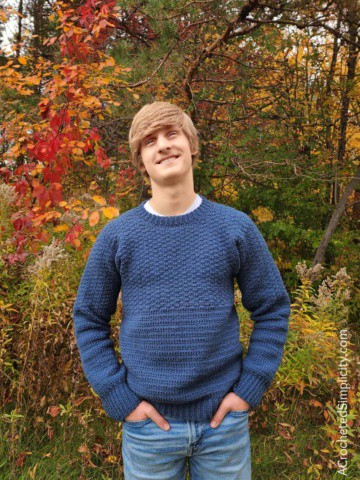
(19, 32)
(329, 84)
(335, 218)
(351, 70)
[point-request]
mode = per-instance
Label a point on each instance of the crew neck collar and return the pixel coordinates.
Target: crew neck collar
(172, 220)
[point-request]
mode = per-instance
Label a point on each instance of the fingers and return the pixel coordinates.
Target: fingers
(218, 417)
(229, 402)
(158, 419)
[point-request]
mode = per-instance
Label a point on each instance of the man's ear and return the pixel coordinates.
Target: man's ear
(194, 150)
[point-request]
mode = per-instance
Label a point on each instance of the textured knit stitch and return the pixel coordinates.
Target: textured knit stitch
(179, 334)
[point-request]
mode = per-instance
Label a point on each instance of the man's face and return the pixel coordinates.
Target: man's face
(166, 143)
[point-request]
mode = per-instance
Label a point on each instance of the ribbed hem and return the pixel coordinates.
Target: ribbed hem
(201, 410)
(172, 220)
(250, 388)
(120, 401)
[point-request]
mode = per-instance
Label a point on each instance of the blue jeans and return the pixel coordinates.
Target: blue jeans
(214, 453)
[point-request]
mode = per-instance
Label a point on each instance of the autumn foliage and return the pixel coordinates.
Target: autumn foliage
(273, 90)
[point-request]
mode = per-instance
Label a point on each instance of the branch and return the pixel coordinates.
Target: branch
(141, 82)
(244, 11)
(301, 26)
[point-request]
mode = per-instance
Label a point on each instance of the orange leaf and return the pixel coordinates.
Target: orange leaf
(110, 212)
(53, 411)
(83, 449)
(93, 218)
(100, 200)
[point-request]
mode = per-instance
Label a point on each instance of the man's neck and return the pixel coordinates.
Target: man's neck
(172, 203)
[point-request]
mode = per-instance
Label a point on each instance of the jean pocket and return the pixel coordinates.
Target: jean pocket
(239, 413)
(136, 423)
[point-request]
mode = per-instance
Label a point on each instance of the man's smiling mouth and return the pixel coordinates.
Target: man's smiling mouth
(168, 159)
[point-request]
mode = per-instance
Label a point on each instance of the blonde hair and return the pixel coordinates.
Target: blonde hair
(153, 116)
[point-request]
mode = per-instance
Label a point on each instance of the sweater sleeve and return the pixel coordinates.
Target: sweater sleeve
(95, 303)
(265, 297)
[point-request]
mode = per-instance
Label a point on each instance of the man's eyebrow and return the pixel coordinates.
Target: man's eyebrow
(167, 127)
(148, 136)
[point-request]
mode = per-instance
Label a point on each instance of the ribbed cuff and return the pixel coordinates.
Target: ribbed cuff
(120, 401)
(250, 388)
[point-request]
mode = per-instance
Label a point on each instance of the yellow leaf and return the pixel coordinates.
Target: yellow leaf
(22, 60)
(100, 200)
(110, 62)
(33, 471)
(111, 459)
(135, 95)
(93, 218)
(110, 212)
(61, 228)
(26, 91)
(263, 214)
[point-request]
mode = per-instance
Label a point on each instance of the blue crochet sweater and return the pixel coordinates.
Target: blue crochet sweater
(179, 334)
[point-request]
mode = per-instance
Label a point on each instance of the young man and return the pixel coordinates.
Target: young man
(175, 258)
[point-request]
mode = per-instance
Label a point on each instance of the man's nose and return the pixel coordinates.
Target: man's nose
(163, 142)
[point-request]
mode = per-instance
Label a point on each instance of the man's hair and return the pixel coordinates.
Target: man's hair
(153, 116)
